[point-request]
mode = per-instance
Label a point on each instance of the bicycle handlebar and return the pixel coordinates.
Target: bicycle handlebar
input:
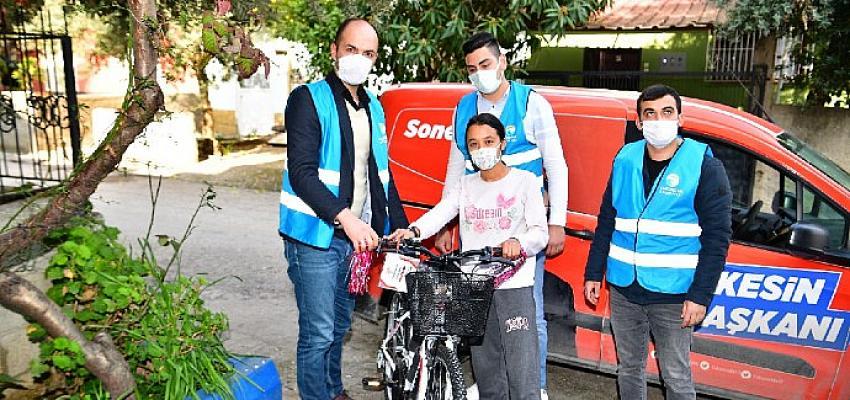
(413, 247)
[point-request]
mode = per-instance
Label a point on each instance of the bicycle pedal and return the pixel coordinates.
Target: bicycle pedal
(373, 384)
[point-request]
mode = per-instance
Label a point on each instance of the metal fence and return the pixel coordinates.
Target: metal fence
(744, 90)
(39, 116)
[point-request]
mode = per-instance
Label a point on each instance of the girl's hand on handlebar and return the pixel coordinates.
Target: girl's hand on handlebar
(511, 249)
(400, 234)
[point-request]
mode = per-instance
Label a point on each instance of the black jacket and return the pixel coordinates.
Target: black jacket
(713, 206)
(304, 138)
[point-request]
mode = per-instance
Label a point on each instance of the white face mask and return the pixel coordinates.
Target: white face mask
(353, 69)
(486, 80)
(660, 133)
(486, 158)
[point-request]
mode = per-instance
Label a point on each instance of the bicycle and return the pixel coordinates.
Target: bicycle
(418, 356)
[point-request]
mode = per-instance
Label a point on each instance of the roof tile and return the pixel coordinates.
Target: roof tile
(656, 14)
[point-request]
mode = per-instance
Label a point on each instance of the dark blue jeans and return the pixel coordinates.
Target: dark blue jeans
(320, 278)
(632, 325)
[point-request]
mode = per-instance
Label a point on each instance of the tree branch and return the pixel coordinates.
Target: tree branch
(146, 99)
(142, 103)
(102, 358)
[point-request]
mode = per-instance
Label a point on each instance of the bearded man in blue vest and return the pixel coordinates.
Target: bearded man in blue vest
(337, 195)
(661, 240)
(533, 144)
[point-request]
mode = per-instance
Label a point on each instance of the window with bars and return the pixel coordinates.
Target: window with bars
(786, 67)
(730, 55)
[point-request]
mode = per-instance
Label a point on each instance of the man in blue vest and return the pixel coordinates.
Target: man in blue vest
(533, 144)
(337, 196)
(661, 240)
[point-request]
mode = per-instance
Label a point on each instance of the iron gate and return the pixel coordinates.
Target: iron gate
(39, 116)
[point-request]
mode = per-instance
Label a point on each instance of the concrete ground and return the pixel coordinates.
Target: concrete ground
(239, 242)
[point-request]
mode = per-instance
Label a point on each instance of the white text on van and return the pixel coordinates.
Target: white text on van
(416, 128)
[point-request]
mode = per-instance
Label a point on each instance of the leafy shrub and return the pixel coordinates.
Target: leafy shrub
(170, 340)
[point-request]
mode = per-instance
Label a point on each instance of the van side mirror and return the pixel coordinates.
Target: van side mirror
(809, 237)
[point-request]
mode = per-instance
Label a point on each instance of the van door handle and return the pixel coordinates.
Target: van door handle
(579, 233)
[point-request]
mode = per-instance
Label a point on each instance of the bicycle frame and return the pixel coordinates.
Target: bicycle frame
(424, 351)
(415, 371)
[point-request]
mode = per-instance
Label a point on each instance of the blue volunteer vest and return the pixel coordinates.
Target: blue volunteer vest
(656, 235)
(519, 152)
(297, 218)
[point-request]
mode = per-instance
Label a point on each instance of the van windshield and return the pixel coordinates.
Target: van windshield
(811, 155)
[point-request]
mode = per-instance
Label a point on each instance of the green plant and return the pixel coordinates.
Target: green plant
(171, 341)
(820, 34)
(24, 74)
(421, 40)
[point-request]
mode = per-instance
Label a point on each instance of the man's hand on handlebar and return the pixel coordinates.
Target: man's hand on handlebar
(511, 249)
(361, 235)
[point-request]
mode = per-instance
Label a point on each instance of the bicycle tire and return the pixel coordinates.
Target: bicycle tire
(451, 363)
(394, 380)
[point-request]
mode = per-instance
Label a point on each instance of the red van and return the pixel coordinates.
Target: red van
(778, 326)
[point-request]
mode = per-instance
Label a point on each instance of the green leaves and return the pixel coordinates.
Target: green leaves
(62, 362)
(209, 40)
(820, 37)
(422, 41)
(170, 339)
(38, 368)
(61, 353)
(55, 272)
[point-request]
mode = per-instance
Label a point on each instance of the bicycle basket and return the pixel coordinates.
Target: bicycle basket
(452, 303)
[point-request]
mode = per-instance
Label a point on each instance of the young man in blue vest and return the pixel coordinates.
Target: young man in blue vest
(338, 195)
(661, 240)
(533, 144)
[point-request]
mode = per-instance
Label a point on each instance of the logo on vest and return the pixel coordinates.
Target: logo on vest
(670, 186)
(673, 180)
(382, 131)
(510, 133)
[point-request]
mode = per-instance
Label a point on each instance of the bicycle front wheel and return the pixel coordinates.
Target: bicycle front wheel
(445, 376)
(399, 332)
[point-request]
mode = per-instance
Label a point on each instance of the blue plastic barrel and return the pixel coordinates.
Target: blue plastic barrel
(264, 381)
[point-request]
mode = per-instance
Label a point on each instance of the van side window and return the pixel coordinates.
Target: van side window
(818, 210)
(739, 169)
(762, 197)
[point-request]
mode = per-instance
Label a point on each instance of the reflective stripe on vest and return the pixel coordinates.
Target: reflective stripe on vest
(519, 152)
(297, 219)
(656, 235)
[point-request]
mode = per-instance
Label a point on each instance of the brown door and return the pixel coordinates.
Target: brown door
(612, 68)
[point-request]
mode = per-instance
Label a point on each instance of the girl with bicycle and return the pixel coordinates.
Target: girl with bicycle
(498, 206)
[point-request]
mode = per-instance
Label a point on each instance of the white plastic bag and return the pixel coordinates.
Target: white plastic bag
(396, 267)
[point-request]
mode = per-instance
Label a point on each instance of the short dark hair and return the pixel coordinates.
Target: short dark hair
(656, 92)
(344, 24)
(479, 40)
(487, 119)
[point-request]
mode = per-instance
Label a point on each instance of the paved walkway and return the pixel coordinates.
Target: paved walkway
(240, 242)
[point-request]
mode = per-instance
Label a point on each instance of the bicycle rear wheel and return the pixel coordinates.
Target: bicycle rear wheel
(445, 376)
(400, 334)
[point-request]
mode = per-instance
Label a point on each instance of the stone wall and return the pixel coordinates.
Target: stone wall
(825, 129)
(16, 351)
